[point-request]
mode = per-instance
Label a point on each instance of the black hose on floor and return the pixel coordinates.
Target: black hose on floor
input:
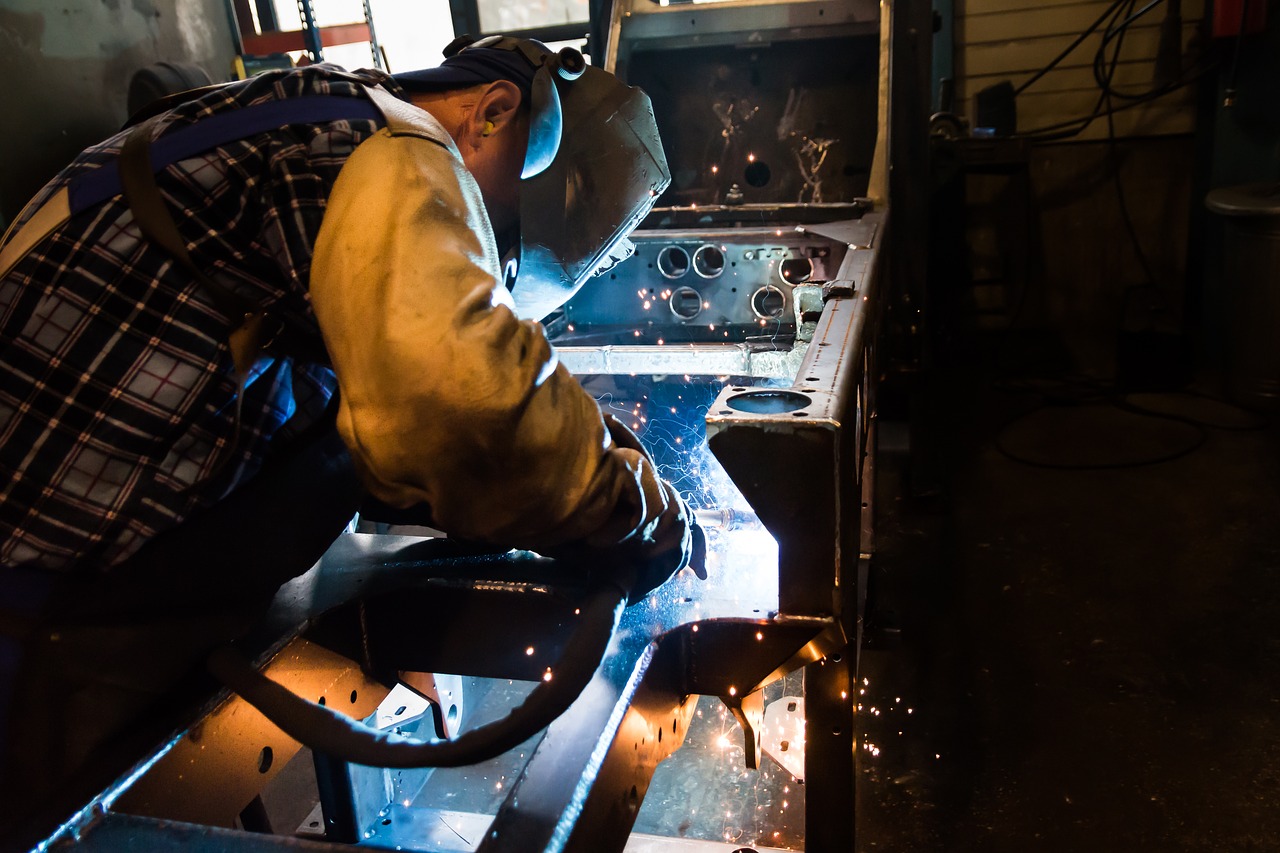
(324, 730)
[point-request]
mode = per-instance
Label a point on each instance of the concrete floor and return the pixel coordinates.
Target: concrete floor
(1091, 655)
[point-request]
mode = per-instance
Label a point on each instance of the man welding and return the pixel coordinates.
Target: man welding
(273, 304)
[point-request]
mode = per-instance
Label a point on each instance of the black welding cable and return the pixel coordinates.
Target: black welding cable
(1053, 63)
(326, 731)
(1113, 154)
(1199, 435)
(1102, 78)
(1114, 13)
(1074, 127)
(1116, 29)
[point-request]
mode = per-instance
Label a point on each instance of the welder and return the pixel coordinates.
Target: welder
(265, 307)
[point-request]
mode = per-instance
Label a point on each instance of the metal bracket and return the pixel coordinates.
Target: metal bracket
(748, 710)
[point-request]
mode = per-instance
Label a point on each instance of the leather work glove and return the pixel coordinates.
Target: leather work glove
(642, 563)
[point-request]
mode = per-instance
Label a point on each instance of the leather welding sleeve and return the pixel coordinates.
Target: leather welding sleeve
(447, 399)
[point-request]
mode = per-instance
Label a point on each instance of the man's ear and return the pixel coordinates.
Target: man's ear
(495, 110)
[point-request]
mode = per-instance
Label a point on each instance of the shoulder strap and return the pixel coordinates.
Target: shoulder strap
(251, 328)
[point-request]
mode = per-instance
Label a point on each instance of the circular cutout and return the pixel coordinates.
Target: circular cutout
(795, 270)
(686, 303)
(768, 302)
(708, 261)
(768, 402)
(673, 261)
(757, 174)
(265, 759)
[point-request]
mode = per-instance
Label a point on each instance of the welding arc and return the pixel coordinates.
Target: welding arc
(326, 731)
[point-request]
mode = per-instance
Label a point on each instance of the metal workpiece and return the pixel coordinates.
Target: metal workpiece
(587, 772)
(785, 582)
(637, 24)
(796, 453)
(761, 103)
(748, 315)
(209, 774)
(683, 359)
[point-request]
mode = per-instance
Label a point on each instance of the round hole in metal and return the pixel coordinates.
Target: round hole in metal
(795, 270)
(757, 174)
(768, 302)
(708, 261)
(673, 261)
(768, 402)
(686, 303)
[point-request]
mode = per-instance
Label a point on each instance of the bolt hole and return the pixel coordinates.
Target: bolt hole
(768, 302)
(795, 270)
(353, 697)
(386, 821)
(265, 759)
(708, 261)
(673, 261)
(685, 303)
(757, 174)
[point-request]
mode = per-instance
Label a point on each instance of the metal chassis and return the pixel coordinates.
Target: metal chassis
(807, 474)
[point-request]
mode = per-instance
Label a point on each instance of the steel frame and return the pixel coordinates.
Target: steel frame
(806, 470)
(363, 606)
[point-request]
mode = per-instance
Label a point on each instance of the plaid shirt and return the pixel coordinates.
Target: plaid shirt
(117, 409)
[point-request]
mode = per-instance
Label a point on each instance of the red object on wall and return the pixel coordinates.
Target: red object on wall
(1227, 14)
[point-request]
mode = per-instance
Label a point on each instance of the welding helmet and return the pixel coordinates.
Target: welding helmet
(593, 167)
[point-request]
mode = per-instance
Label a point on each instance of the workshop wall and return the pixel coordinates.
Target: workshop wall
(999, 40)
(1048, 244)
(66, 66)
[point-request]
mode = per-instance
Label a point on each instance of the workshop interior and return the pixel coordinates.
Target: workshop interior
(956, 329)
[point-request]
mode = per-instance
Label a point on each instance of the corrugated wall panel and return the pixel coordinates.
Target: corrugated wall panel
(1011, 40)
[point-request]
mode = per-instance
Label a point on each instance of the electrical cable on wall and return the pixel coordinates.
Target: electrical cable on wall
(1119, 16)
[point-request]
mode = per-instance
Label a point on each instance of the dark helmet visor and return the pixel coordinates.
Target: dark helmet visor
(576, 214)
(593, 168)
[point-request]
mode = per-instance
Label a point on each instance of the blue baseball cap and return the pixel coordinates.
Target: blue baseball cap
(468, 63)
(524, 62)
